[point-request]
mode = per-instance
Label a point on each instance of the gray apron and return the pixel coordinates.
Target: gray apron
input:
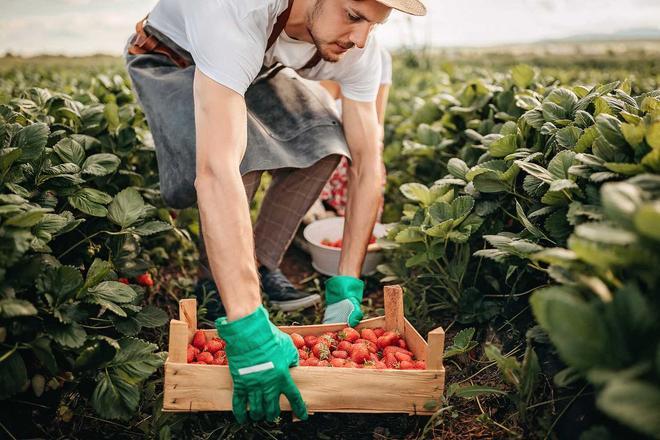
(291, 121)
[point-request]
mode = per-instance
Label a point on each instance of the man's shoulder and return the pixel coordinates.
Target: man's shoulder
(270, 8)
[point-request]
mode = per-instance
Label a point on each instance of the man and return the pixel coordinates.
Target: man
(210, 52)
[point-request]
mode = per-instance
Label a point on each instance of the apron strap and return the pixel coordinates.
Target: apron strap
(279, 25)
(277, 30)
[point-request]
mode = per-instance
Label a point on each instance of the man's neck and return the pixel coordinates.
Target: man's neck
(296, 25)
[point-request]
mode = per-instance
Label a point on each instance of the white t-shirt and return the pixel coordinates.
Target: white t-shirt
(227, 40)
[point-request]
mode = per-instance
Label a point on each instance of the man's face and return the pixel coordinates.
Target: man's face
(338, 25)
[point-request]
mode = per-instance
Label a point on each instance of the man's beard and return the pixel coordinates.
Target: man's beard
(322, 46)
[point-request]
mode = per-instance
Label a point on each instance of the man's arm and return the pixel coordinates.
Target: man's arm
(360, 123)
(221, 135)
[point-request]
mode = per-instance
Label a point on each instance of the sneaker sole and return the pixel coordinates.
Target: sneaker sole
(296, 304)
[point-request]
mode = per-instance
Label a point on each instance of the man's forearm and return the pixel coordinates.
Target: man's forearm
(228, 237)
(364, 195)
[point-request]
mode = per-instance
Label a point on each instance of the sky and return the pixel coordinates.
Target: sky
(79, 27)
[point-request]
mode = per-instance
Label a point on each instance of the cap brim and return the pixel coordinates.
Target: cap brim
(412, 7)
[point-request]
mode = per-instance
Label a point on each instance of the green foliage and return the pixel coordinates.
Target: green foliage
(78, 199)
(533, 185)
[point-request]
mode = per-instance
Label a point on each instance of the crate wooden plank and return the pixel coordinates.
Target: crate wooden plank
(191, 387)
(393, 296)
(435, 349)
(194, 387)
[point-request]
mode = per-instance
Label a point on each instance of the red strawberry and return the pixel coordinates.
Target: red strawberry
(388, 338)
(329, 341)
(123, 280)
(350, 364)
(406, 365)
(145, 279)
(303, 354)
(370, 345)
(298, 340)
(396, 349)
(369, 364)
(337, 362)
(369, 335)
(324, 363)
(205, 357)
(373, 357)
(340, 354)
(214, 345)
(360, 353)
(402, 357)
(310, 340)
(191, 353)
(420, 365)
(345, 346)
(321, 350)
(199, 340)
(402, 343)
(379, 331)
(333, 335)
(380, 365)
(349, 334)
(312, 361)
(391, 361)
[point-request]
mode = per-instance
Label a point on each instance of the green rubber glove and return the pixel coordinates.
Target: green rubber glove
(259, 357)
(343, 296)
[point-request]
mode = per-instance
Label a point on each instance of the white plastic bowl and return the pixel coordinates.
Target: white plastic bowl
(325, 259)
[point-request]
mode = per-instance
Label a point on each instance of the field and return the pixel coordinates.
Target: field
(525, 187)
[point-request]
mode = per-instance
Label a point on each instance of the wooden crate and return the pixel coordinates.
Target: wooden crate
(196, 387)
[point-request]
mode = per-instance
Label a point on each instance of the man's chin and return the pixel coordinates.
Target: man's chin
(331, 56)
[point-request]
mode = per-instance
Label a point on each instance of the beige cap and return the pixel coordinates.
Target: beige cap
(412, 7)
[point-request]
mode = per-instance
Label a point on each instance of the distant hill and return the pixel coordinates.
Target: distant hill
(627, 35)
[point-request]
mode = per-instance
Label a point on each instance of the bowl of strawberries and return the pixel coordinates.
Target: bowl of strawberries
(324, 238)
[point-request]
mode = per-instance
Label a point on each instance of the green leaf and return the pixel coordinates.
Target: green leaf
(604, 233)
(647, 220)
(503, 146)
(68, 335)
(409, 235)
(634, 134)
(90, 201)
(96, 352)
(43, 352)
(457, 168)
(522, 75)
(653, 135)
(528, 224)
(12, 308)
(610, 128)
(101, 164)
(620, 201)
(560, 164)
(13, 374)
(126, 207)
(417, 192)
(97, 272)
(152, 317)
(633, 402)
(461, 207)
(109, 294)
(70, 151)
(152, 227)
(31, 140)
(574, 326)
(27, 219)
(115, 397)
(568, 137)
(472, 391)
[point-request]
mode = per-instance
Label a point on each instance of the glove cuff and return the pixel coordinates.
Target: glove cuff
(341, 287)
(247, 333)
